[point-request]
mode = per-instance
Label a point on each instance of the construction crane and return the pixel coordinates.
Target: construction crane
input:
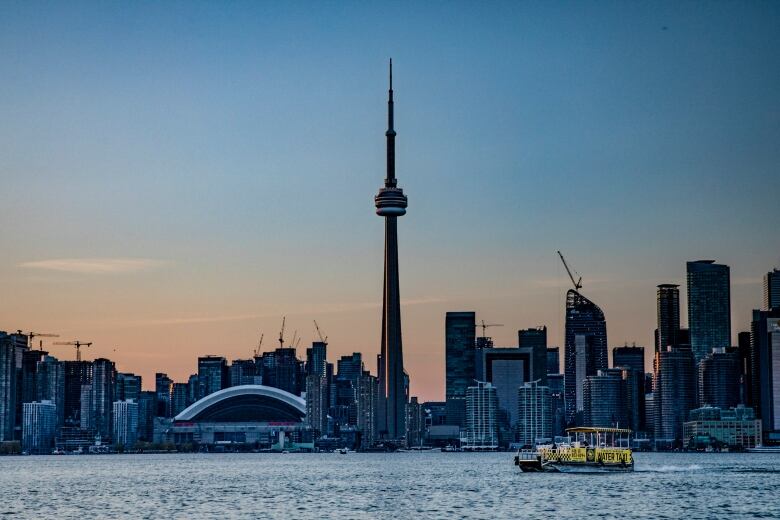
(281, 333)
(486, 325)
(31, 335)
(319, 333)
(295, 334)
(578, 283)
(298, 343)
(78, 344)
(259, 345)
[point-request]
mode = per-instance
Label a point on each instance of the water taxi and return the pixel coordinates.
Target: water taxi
(588, 449)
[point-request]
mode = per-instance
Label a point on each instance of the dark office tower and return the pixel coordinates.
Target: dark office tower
(77, 373)
(212, 375)
(674, 392)
(30, 359)
(242, 372)
(772, 290)
(147, 410)
(459, 338)
(128, 386)
(103, 389)
(605, 400)
(179, 398)
(709, 306)
(316, 358)
(288, 371)
(535, 339)
(765, 370)
(557, 404)
(629, 357)
(50, 385)
(719, 379)
(391, 203)
(668, 306)
(10, 365)
(163, 387)
(553, 360)
(745, 362)
(586, 348)
(350, 368)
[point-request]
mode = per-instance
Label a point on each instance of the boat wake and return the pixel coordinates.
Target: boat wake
(668, 468)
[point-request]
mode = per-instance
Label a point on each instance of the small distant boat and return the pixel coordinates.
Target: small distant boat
(763, 449)
(344, 451)
(588, 450)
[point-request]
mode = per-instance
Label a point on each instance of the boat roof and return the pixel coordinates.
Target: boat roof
(597, 429)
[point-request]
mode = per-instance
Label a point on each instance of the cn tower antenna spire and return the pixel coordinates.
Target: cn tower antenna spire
(390, 181)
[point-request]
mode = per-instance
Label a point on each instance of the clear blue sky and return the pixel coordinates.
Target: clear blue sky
(232, 150)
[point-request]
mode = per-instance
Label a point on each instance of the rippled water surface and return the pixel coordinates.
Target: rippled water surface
(400, 485)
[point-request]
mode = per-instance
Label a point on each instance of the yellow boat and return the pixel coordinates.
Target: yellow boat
(588, 449)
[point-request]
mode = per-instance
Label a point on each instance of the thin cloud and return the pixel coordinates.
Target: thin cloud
(94, 265)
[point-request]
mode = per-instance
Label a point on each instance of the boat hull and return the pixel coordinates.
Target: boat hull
(537, 466)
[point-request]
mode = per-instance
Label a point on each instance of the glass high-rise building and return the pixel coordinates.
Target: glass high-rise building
(586, 348)
(50, 385)
(674, 391)
(103, 391)
(77, 374)
(668, 315)
(765, 369)
(719, 377)
(481, 418)
(553, 360)
(772, 290)
(459, 338)
(212, 375)
(629, 357)
(163, 385)
(128, 386)
(39, 427)
(534, 412)
(536, 339)
(709, 306)
(125, 423)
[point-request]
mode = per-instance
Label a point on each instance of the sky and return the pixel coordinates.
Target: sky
(177, 176)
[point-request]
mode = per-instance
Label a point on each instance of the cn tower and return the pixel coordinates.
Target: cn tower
(391, 204)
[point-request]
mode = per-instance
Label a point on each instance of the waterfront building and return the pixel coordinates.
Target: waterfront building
(128, 386)
(668, 314)
(553, 360)
(242, 372)
(415, 423)
(507, 369)
(772, 290)
(459, 333)
(605, 400)
(733, 428)
(163, 385)
(125, 423)
(535, 339)
(709, 306)
(367, 394)
(50, 385)
(534, 413)
(481, 418)
(719, 379)
(585, 348)
(557, 403)
(147, 411)
(674, 391)
(765, 370)
(12, 347)
(77, 374)
(39, 427)
(212, 375)
(247, 415)
(180, 398)
(103, 391)
(390, 204)
(317, 403)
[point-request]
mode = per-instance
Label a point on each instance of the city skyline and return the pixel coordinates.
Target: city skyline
(170, 214)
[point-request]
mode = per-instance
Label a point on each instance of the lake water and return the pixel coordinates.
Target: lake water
(400, 485)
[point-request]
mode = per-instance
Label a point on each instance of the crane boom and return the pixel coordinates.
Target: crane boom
(578, 283)
(281, 333)
(319, 333)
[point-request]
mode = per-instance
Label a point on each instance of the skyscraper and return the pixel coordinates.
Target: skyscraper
(586, 348)
(709, 306)
(39, 426)
(535, 339)
(12, 348)
(125, 423)
(163, 385)
(605, 400)
(481, 418)
(674, 391)
(212, 375)
(629, 357)
(534, 413)
(103, 388)
(391, 203)
(765, 369)
(772, 290)
(128, 386)
(668, 307)
(316, 358)
(553, 360)
(459, 334)
(77, 374)
(50, 385)
(719, 374)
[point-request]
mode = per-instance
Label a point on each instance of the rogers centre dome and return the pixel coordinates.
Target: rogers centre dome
(247, 414)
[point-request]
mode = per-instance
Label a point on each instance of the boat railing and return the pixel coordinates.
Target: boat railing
(526, 454)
